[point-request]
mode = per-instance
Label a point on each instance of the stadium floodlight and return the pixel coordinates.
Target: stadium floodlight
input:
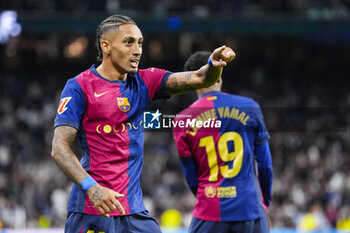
(9, 27)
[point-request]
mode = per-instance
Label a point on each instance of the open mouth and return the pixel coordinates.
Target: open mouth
(134, 63)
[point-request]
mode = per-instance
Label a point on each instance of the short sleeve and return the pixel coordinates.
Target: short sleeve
(71, 106)
(155, 80)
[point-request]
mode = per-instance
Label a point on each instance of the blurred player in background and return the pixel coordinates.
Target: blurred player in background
(103, 106)
(219, 160)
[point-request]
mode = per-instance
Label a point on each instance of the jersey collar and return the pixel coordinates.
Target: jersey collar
(94, 71)
(210, 93)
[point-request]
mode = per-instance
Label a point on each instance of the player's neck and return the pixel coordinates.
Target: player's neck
(202, 91)
(110, 73)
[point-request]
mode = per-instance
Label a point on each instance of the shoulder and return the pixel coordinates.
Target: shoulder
(188, 111)
(84, 75)
(78, 83)
(242, 101)
(84, 79)
(73, 83)
(152, 72)
(149, 70)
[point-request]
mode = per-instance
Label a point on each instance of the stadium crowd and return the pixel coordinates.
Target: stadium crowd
(203, 8)
(301, 84)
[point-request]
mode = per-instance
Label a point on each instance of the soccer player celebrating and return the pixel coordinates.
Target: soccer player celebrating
(103, 106)
(218, 158)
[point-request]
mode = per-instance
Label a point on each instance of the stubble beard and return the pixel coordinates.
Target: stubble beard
(133, 71)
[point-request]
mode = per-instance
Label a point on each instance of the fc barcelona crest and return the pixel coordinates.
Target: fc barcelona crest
(123, 104)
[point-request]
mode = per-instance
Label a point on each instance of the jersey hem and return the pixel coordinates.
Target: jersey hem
(111, 214)
(226, 220)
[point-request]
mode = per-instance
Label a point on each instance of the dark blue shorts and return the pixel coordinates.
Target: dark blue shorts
(259, 225)
(136, 223)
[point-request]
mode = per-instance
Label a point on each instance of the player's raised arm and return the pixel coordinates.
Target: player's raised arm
(182, 82)
(105, 200)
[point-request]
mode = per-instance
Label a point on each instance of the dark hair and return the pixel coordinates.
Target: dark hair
(113, 21)
(196, 60)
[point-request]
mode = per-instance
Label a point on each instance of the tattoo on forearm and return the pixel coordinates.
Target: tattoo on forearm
(185, 86)
(180, 83)
(64, 157)
(183, 83)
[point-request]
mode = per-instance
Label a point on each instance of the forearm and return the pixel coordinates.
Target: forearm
(64, 156)
(265, 172)
(190, 170)
(69, 164)
(183, 82)
(265, 180)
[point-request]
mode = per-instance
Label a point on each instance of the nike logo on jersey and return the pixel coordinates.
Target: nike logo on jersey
(63, 103)
(101, 94)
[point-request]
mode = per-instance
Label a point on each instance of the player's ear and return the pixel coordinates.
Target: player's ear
(105, 46)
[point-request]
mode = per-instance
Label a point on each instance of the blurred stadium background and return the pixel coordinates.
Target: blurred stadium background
(293, 58)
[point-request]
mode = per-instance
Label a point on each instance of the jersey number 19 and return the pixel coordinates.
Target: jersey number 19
(236, 155)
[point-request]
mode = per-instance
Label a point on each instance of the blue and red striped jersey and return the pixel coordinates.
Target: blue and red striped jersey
(108, 117)
(218, 156)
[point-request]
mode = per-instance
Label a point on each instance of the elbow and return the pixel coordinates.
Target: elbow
(54, 154)
(55, 151)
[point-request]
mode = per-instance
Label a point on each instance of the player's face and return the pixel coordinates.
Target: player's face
(126, 48)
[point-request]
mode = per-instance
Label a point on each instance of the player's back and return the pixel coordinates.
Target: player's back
(228, 189)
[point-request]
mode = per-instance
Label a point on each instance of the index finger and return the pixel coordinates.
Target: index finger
(220, 49)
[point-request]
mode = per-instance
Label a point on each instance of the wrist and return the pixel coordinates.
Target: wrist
(210, 63)
(87, 183)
